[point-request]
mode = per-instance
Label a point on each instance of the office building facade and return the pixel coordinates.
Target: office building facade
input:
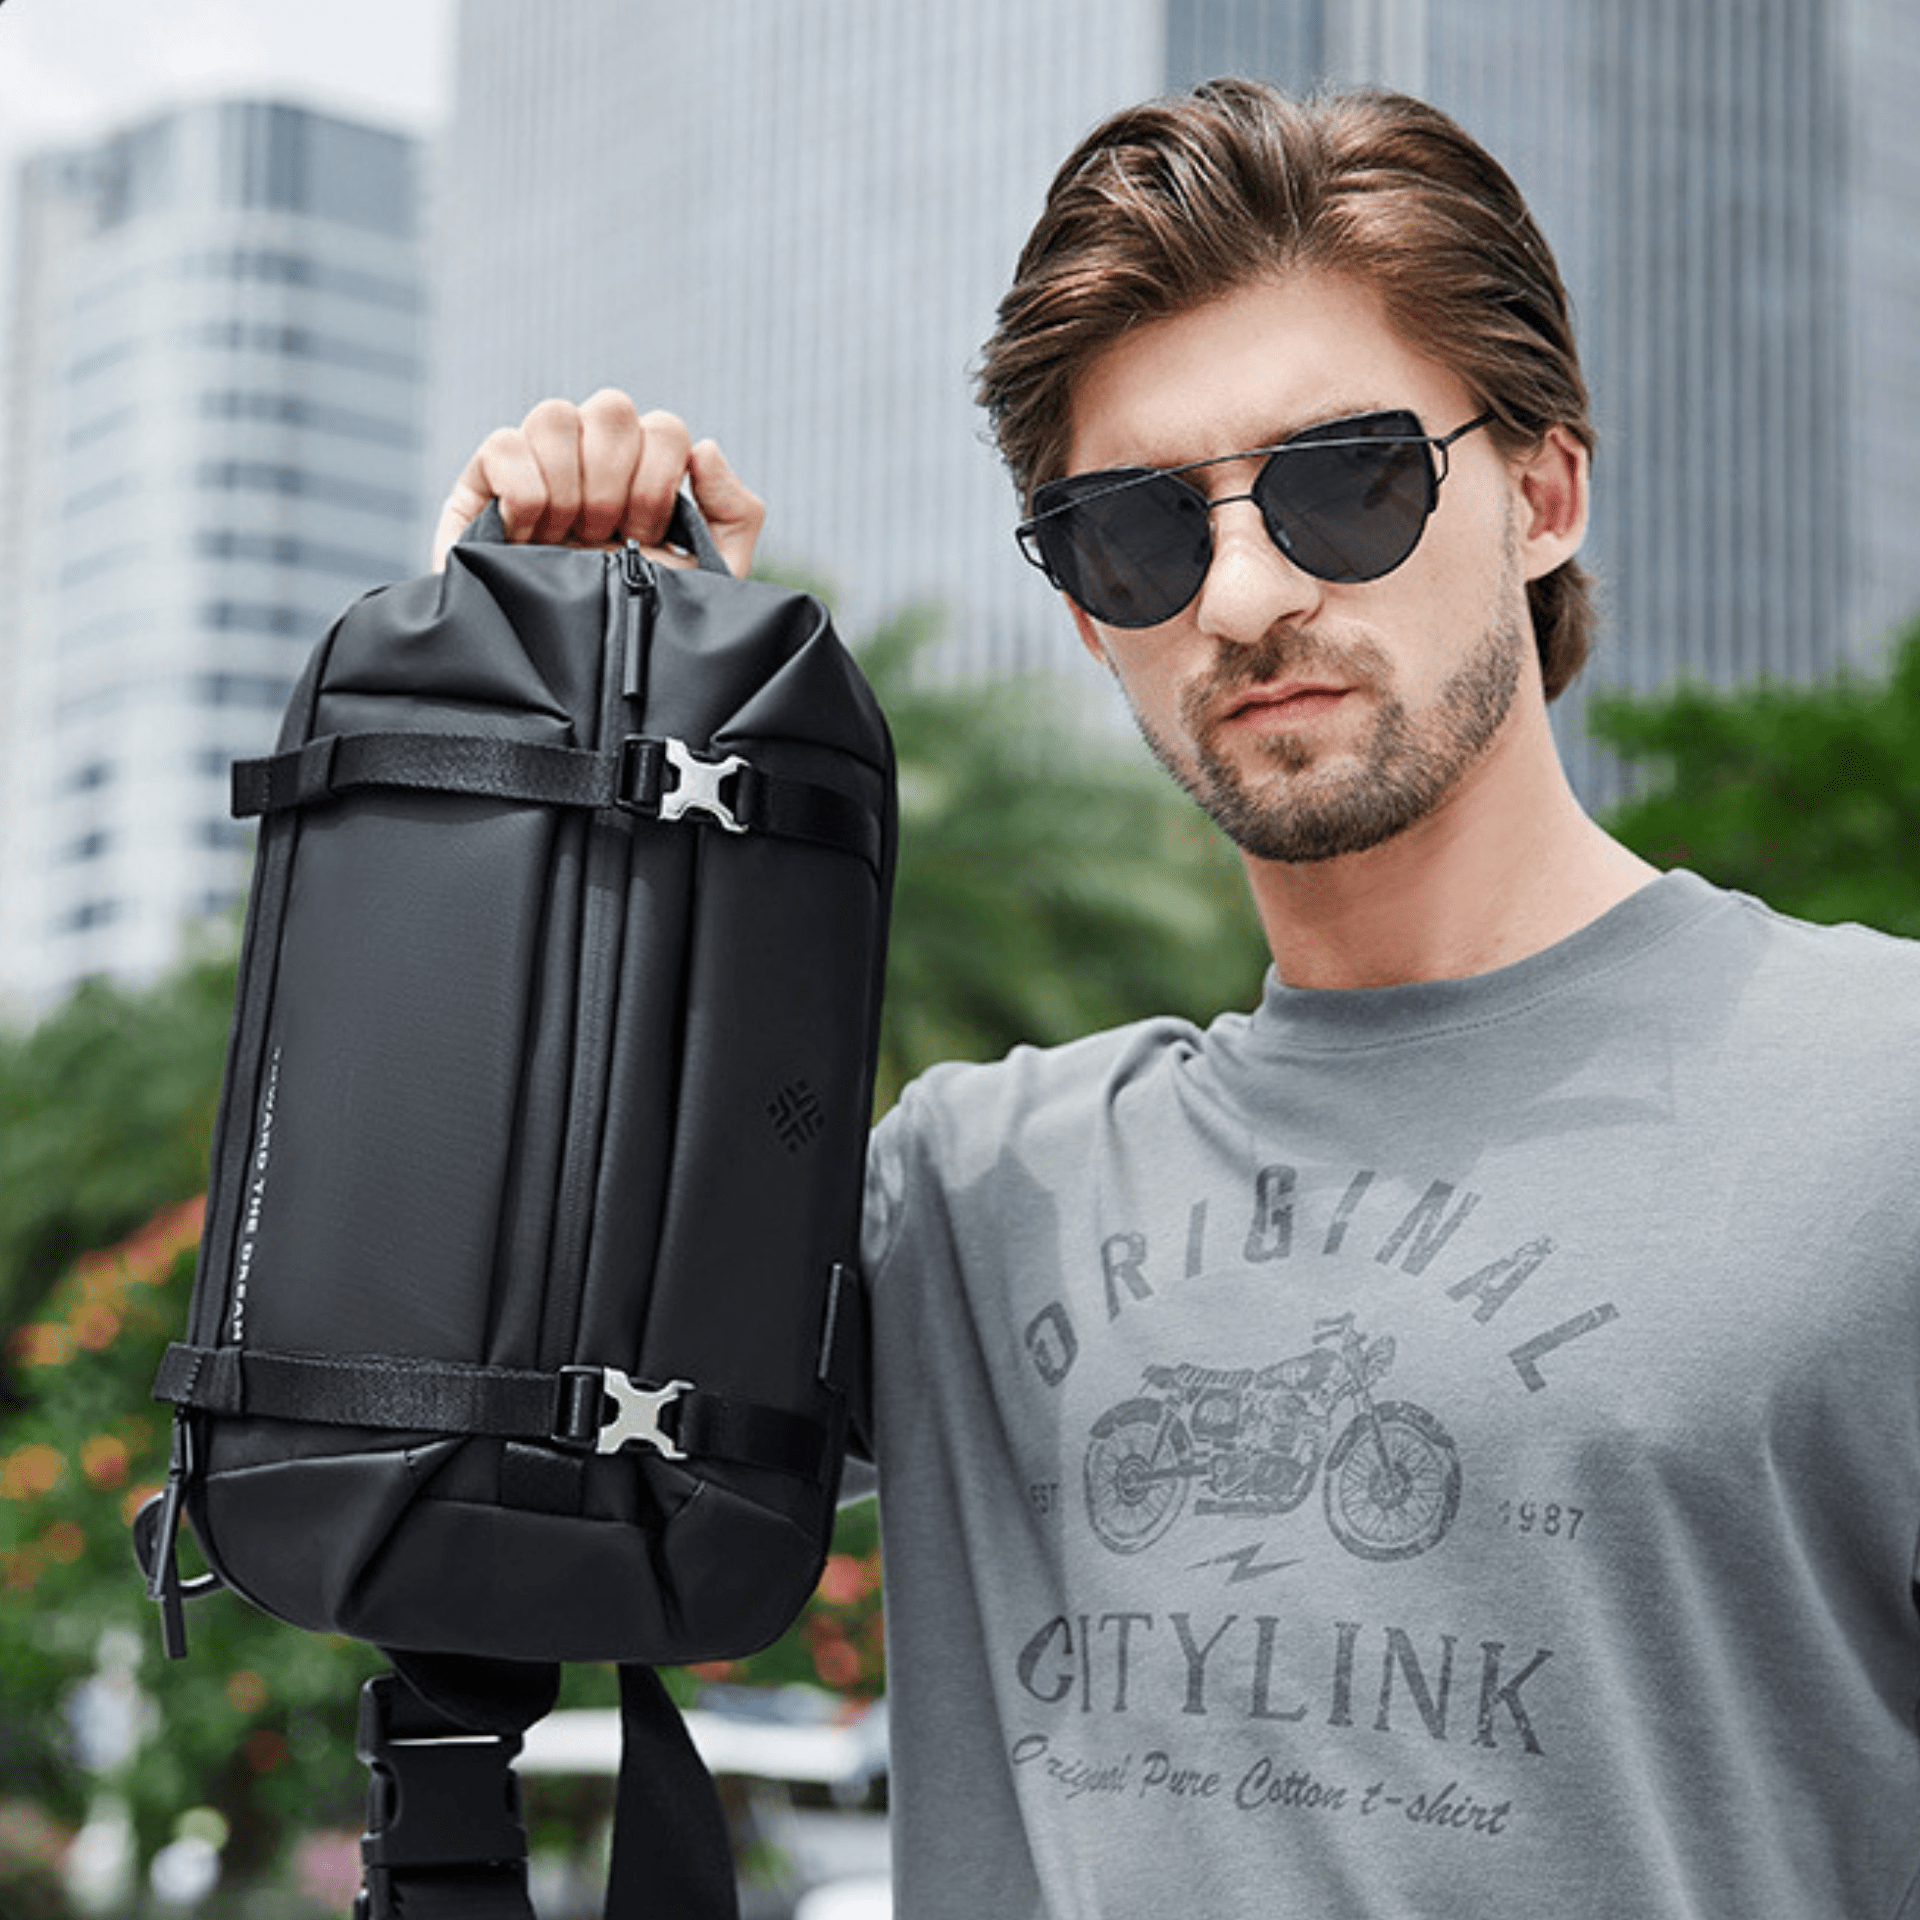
(214, 388)
(791, 222)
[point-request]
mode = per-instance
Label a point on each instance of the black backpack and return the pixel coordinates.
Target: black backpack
(524, 1320)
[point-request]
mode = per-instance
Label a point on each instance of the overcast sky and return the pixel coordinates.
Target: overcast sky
(69, 68)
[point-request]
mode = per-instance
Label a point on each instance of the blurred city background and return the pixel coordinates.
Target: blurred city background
(269, 274)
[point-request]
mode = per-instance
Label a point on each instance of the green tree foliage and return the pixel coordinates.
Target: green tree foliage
(259, 1723)
(105, 1112)
(1807, 796)
(1052, 882)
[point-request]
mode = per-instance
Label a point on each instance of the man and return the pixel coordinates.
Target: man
(1446, 1443)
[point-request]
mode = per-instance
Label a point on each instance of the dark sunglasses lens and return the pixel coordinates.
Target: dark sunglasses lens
(1351, 510)
(1130, 555)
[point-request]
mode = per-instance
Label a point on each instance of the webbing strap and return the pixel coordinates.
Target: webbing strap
(671, 1850)
(477, 764)
(660, 778)
(444, 1837)
(579, 1407)
(800, 810)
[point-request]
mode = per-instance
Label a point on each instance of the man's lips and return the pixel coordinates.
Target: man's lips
(1290, 700)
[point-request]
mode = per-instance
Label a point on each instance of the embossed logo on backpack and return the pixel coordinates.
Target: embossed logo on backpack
(797, 1115)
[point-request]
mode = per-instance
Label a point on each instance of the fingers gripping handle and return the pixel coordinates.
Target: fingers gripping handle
(687, 529)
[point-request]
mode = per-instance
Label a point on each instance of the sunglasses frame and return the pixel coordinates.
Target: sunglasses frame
(1311, 439)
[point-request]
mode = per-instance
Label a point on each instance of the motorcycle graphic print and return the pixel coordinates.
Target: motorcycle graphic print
(1254, 1441)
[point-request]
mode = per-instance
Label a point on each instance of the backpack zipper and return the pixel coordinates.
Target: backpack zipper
(643, 598)
(609, 865)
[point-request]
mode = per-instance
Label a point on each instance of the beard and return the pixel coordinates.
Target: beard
(1397, 775)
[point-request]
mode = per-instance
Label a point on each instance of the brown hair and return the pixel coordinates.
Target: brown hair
(1171, 204)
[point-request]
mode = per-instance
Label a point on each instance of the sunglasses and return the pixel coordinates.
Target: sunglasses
(1344, 501)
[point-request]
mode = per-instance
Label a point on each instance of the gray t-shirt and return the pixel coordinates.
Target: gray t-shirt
(1444, 1450)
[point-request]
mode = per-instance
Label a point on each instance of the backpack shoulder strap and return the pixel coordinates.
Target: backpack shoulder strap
(671, 1850)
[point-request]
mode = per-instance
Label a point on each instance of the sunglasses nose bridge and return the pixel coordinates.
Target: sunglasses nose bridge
(1249, 498)
(1252, 580)
(1273, 528)
(1231, 499)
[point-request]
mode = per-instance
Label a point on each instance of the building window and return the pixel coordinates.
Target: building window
(284, 409)
(262, 476)
(88, 915)
(269, 690)
(288, 550)
(298, 343)
(135, 174)
(89, 567)
(121, 486)
(114, 353)
(280, 157)
(253, 616)
(89, 846)
(278, 268)
(85, 432)
(88, 777)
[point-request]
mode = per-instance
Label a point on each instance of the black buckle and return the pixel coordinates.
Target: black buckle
(642, 774)
(435, 1801)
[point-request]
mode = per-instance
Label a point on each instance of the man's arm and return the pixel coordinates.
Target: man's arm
(600, 471)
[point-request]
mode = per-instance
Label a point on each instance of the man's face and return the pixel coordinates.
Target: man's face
(1311, 719)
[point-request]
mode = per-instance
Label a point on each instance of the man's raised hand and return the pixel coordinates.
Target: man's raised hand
(601, 471)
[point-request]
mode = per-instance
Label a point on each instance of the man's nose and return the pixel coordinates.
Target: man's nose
(1251, 585)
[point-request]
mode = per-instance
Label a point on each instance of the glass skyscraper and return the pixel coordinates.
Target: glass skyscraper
(1736, 200)
(790, 222)
(214, 437)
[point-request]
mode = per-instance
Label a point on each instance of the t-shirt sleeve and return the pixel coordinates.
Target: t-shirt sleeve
(883, 1209)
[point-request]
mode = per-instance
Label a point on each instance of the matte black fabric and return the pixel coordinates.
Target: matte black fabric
(520, 1085)
(518, 1333)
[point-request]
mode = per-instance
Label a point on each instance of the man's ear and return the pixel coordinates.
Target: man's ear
(1089, 633)
(1553, 481)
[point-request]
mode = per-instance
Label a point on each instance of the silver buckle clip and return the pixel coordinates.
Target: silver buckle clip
(636, 1414)
(699, 786)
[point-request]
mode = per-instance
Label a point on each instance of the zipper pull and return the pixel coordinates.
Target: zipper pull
(643, 595)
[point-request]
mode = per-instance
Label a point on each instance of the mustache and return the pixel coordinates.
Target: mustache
(1282, 653)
